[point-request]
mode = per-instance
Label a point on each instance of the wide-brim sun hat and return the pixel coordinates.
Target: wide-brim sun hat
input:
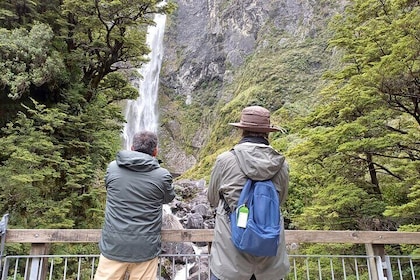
(256, 119)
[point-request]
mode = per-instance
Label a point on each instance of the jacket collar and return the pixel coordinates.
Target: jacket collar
(253, 139)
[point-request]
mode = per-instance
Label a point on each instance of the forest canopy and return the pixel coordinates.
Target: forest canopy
(65, 67)
(357, 162)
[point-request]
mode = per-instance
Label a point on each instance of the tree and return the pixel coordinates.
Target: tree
(360, 148)
(65, 68)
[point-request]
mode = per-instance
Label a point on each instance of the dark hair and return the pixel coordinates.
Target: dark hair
(255, 134)
(145, 142)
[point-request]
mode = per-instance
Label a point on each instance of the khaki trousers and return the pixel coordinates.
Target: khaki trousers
(116, 270)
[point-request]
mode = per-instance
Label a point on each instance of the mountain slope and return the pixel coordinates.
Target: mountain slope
(223, 55)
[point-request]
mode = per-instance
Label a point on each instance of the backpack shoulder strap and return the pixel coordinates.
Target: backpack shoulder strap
(225, 204)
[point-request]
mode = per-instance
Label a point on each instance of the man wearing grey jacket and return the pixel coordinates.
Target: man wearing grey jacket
(137, 187)
(252, 158)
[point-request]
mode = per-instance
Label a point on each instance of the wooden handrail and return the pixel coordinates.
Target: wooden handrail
(206, 235)
(374, 241)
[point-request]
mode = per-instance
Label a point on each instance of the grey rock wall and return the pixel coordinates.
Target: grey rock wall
(207, 41)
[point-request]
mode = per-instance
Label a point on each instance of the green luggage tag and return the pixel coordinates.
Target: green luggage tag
(242, 216)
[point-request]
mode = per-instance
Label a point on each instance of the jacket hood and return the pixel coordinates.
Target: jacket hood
(258, 161)
(136, 161)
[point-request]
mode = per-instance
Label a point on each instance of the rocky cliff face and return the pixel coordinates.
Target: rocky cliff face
(206, 44)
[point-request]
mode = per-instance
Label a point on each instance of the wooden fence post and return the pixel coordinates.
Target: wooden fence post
(376, 254)
(38, 265)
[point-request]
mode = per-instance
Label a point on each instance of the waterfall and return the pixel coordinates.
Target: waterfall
(141, 114)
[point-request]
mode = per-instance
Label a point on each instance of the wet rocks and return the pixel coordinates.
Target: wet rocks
(189, 210)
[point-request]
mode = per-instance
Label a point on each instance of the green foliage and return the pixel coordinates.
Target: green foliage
(27, 59)
(61, 83)
(44, 182)
(358, 151)
(319, 266)
(278, 75)
(31, 169)
(201, 170)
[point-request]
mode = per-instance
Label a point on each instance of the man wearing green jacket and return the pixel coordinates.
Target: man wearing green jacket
(137, 187)
(252, 158)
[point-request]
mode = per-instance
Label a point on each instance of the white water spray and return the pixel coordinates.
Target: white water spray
(141, 114)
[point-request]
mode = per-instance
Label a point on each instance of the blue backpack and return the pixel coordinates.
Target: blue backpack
(258, 210)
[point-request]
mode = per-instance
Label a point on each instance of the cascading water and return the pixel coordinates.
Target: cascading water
(141, 114)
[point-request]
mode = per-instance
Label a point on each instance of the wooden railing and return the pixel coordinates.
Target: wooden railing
(41, 239)
(206, 235)
(374, 240)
